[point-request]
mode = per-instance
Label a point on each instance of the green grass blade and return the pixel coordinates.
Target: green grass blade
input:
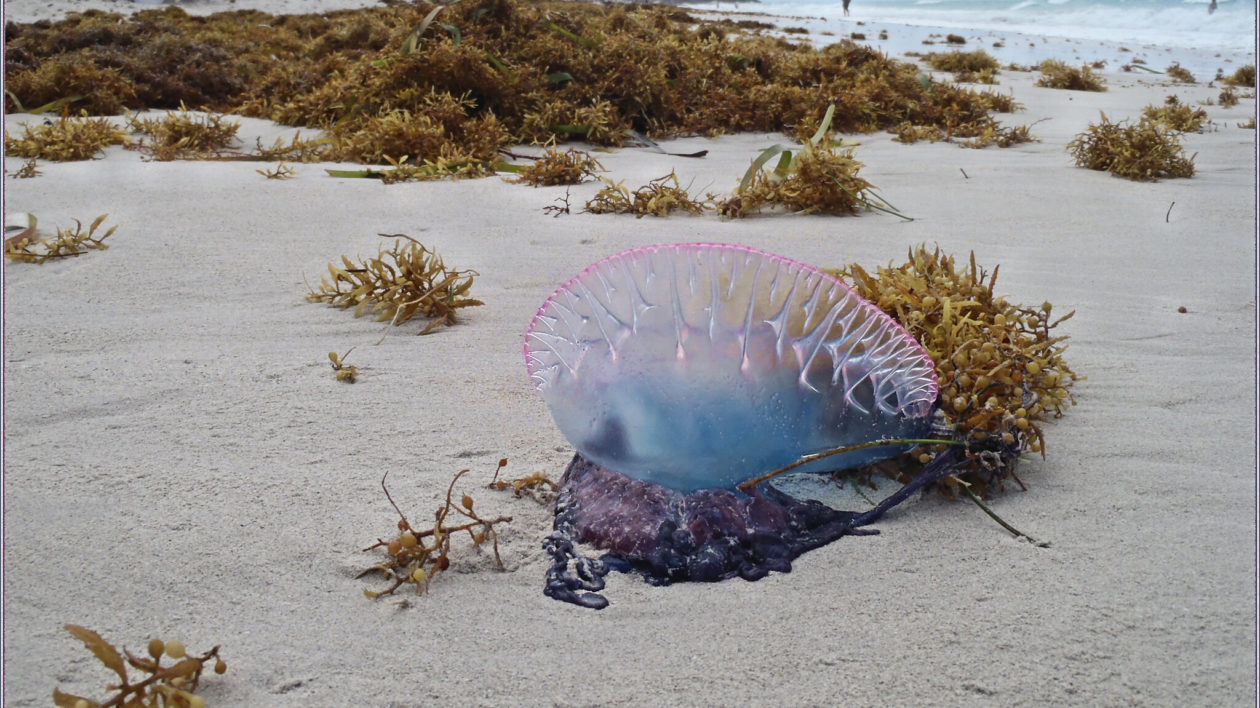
(372, 174)
(456, 35)
(826, 123)
(569, 35)
(413, 39)
(497, 64)
(759, 163)
(784, 167)
(54, 106)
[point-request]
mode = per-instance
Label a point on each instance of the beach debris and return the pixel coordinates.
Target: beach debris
(398, 284)
(67, 243)
(1000, 365)
(554, 167)
(1176, 115)
(1228, 97)
(686, 351)
(818, 178)
(1145, 151)
(1001, 136)
(296, 150)
(537, 486)
(19, 229)
(183, 135)
(345, 373)
(659, 197)
(440, 168)
(65, 139)
(418, 555)
(452, 88)
(907, 133)
(562, 207)
(1242, 76)
(635, 139)
(280, 171)
(1056, 74)
(29, 169)
(1139, 64)
(441, 129)
(1176, 71)
(976, 66)
(167, 685)
(662, 499)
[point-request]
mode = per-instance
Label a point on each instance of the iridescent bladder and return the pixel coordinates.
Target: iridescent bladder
(680, 371)
(697, 366)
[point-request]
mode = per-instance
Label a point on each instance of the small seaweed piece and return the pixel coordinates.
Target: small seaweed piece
(1228, 98)
(554, 167)
(1002, 136)
(345, 373)
(65, 140)
(30, 168)
(407, 280)
(281, 171)
(537, 486)
(296, 150)
(1176, 116)
(453, 166)
(1058, 75)
(908, 133)
(1144, 152)
(171, 685)
(557, 209)
(183, 135)
(974, 62)
(659, 197)
(418, 556)
(67, 243)
(1179, 73)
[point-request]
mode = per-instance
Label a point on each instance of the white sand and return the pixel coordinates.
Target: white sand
(180, 462)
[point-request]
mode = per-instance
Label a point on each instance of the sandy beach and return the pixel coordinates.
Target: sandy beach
(180, 462)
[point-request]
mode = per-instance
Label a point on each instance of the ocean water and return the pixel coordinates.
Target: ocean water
(1171, 30)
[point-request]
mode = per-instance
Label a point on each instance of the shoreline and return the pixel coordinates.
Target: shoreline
(180, 461)
(1017, 47)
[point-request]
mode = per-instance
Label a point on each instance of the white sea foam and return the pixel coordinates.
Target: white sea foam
(1182, 31)
(1169, 23)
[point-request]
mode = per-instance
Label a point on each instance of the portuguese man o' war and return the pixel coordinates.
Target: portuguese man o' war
(679, 371)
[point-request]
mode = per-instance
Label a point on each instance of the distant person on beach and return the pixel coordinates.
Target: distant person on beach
(1211, 8)
(846, 7)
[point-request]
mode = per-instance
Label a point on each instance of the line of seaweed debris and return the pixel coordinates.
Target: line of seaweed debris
(456, 83)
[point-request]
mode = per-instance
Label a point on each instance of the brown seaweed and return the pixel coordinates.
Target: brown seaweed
(172, 684)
